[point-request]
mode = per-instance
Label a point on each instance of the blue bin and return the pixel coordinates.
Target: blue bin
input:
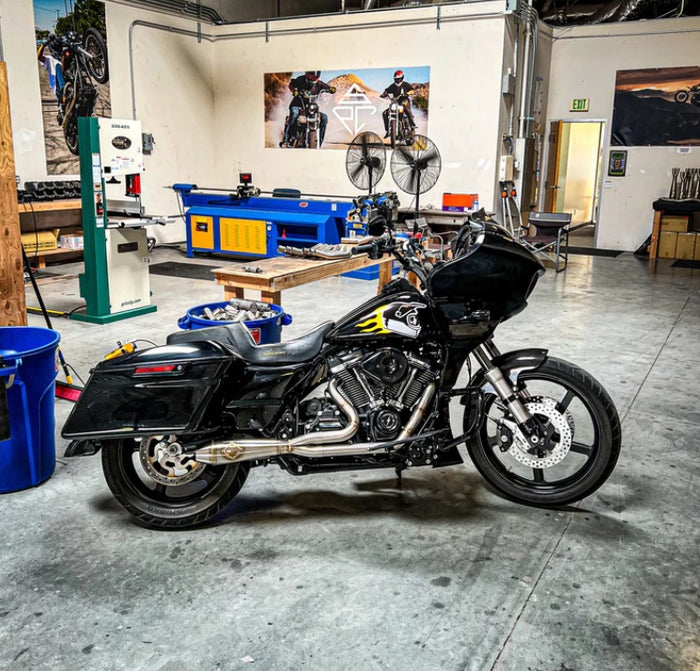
(28, 456)
(264, 331)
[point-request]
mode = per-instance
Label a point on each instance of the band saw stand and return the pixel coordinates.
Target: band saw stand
(116, 283)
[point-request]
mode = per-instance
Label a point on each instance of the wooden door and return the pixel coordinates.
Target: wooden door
(553, 159)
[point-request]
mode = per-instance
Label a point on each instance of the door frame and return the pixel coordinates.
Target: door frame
(600, 172)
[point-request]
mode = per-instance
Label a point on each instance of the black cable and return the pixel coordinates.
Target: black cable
(36, 233)
(80, 307)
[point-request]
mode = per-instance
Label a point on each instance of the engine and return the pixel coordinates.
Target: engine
(383, 386)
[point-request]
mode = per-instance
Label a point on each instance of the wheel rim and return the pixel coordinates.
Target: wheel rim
(97, 61)
(157, 470)
(573, 445)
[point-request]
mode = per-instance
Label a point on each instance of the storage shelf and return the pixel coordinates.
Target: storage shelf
(51, 205)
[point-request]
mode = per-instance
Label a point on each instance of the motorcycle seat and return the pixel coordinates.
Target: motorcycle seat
(239, 340)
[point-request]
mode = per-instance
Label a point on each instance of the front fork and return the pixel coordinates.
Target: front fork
(485, 354)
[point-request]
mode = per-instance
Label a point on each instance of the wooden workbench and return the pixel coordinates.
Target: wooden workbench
(285, 272)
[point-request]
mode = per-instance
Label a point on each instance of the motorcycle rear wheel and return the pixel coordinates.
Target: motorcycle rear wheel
(98, 65)
(198, 492)
(561, 395)
(70, 132)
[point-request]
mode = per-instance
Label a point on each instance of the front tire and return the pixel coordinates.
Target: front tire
(98, 64)
(163, 488)
(392, 133)
(583, 448)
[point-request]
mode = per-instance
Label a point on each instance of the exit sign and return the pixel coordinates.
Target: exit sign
(579, 105)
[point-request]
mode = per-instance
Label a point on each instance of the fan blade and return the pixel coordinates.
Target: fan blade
(430, 155)
(406, 156)
(359, 168)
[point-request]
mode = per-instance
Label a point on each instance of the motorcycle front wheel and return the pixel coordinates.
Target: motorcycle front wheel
(163, 487)
(97, 64)
(681, 96)
(392, 133)
(583, 430)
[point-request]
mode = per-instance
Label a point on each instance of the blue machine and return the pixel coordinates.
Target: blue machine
(247, 224)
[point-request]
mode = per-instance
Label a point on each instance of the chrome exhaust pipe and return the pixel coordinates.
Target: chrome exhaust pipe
(313, 445)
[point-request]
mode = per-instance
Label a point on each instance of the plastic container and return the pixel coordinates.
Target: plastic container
(28, 456)
(264, 331)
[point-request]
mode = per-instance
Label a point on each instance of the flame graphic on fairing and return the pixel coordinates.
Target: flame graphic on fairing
(375, 323)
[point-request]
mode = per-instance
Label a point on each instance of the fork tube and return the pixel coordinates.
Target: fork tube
(502, 385)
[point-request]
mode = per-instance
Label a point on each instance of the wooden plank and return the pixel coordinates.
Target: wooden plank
(13, 309)
(285, 272)
(51, 205)
(654, 247)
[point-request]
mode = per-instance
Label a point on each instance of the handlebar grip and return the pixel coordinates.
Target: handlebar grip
(365, 248)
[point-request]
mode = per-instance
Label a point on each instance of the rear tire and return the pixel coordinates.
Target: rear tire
(586, 436)
(162, 492)
(70, 132)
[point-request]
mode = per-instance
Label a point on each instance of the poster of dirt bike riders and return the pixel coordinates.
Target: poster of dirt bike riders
(657, 107)
(326, 109)
(73, 75)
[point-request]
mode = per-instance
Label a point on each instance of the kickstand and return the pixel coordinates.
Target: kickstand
(399, 479)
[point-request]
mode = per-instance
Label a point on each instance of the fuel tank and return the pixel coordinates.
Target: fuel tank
(399, 311)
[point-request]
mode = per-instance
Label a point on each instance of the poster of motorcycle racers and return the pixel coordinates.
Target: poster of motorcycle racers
(326, 109)
(73, 74)
(657, 107)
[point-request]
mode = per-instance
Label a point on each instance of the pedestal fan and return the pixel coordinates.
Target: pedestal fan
(416, 168)
(365, 161)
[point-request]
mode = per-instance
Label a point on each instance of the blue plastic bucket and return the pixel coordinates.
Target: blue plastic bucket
(28, 456)
(264, 331)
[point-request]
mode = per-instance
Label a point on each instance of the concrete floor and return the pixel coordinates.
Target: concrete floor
(348, 572)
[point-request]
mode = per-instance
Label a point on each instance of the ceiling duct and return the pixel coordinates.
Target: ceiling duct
(190, 10)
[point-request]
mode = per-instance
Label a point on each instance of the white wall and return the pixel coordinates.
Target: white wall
(465, 58)
(173, 98)
(584, 64)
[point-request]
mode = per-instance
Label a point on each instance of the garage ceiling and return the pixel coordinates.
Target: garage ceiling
(555, 12)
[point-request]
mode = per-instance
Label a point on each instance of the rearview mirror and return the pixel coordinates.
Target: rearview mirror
(376, 226)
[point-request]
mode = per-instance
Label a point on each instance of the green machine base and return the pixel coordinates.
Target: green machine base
(107, 319)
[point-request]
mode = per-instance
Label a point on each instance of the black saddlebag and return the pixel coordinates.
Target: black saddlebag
(166, 389)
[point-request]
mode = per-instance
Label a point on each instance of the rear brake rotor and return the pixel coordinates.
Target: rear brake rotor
(164, 461)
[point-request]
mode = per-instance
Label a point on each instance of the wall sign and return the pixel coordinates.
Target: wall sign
(579, 105)
(657, 107)
(617, 164)
(347, 102)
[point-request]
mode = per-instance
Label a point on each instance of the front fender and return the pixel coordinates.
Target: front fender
(513, 364)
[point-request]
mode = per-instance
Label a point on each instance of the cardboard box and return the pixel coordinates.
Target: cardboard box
(42, 241)
(667, 245)
(685, 246)
(460, 202)
(674, 223)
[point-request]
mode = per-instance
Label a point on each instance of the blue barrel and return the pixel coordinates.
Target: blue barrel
(264, 331)
(28, 456)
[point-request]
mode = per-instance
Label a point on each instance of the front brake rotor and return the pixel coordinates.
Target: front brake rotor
(562, 425)
(164, 460)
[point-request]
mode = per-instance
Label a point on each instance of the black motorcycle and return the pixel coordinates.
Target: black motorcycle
(181, 425)
(690, 95)
(400, 129)
(83, 60)
(306, 131)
